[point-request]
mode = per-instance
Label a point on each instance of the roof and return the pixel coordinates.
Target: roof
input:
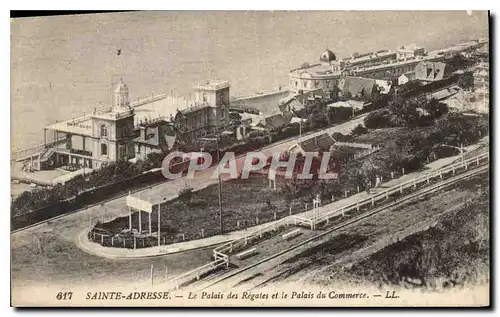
(195, 108)
(358, 86)
(212, 84)
(322, 141)
(384, 86)
(431, 71)
(327, 56)
(277, 121)
(158, 135)
(358, 105)
(409, 75)
(121, 87)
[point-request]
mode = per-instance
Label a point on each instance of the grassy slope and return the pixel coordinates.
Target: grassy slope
(453, 252)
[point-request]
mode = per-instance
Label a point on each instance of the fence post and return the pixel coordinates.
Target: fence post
(401, 189)
(373, 201)
(202, 233)
(183, 237)
(290, 211)
(386, 194)
(245, 240)
(257, 220)
(345, 193)
(392, 175)
(428, 179)
(414, 184)
(343, 213)
(124, 243)
(274, 215)
(112, 241)
(440, 175)
(238, 224)
(403, 170)
(306, 207)
(357, 206)
(102, 239)
(333, 198)
(477, 161)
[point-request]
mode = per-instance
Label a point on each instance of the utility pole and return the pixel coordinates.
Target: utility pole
(220, 190)
(221, 228)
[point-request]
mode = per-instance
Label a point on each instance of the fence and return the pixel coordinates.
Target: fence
(221, 253)
(24, 154)
(401, 187)
(86, 198)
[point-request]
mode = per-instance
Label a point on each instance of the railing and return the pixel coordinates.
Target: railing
(34, 150)
(197, 273)
(221, 253)
(153, 98)
(240, 243)
(399, 188)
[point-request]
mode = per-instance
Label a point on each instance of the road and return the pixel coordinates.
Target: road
(47, 253)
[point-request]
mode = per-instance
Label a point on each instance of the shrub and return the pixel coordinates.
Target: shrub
(359, 130)
(379, 119)
(186, 194)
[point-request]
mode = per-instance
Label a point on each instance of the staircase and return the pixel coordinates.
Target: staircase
(45, 156)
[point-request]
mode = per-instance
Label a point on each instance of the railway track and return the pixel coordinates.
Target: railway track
(418, 194)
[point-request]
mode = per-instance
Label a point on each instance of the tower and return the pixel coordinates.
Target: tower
(121, 96)
(113, 131)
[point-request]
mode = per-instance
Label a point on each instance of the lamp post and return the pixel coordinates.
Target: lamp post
(216, 139)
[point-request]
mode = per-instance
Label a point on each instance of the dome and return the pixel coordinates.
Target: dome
(327, 56)
(121, 87)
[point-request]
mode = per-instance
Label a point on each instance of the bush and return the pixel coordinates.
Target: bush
(186, 194)
(359, 130)
(379, 119)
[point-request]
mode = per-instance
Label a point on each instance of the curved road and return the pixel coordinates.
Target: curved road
(46, 253)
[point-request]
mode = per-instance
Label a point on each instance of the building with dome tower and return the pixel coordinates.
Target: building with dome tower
(113, 131)
(93, 139)
(323, 75)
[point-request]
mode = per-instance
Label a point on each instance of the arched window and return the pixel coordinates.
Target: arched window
(104, 149)
(104, 131)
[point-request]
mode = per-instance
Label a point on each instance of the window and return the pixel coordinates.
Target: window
(104, 149)
(104, 131)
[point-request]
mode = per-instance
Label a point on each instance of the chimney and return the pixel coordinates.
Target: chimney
(144, 130)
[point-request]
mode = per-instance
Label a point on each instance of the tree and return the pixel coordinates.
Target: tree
(359, 130)
(466, 81)
(379, 119)
(435, 108)
(334, 93)
(186, 194)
